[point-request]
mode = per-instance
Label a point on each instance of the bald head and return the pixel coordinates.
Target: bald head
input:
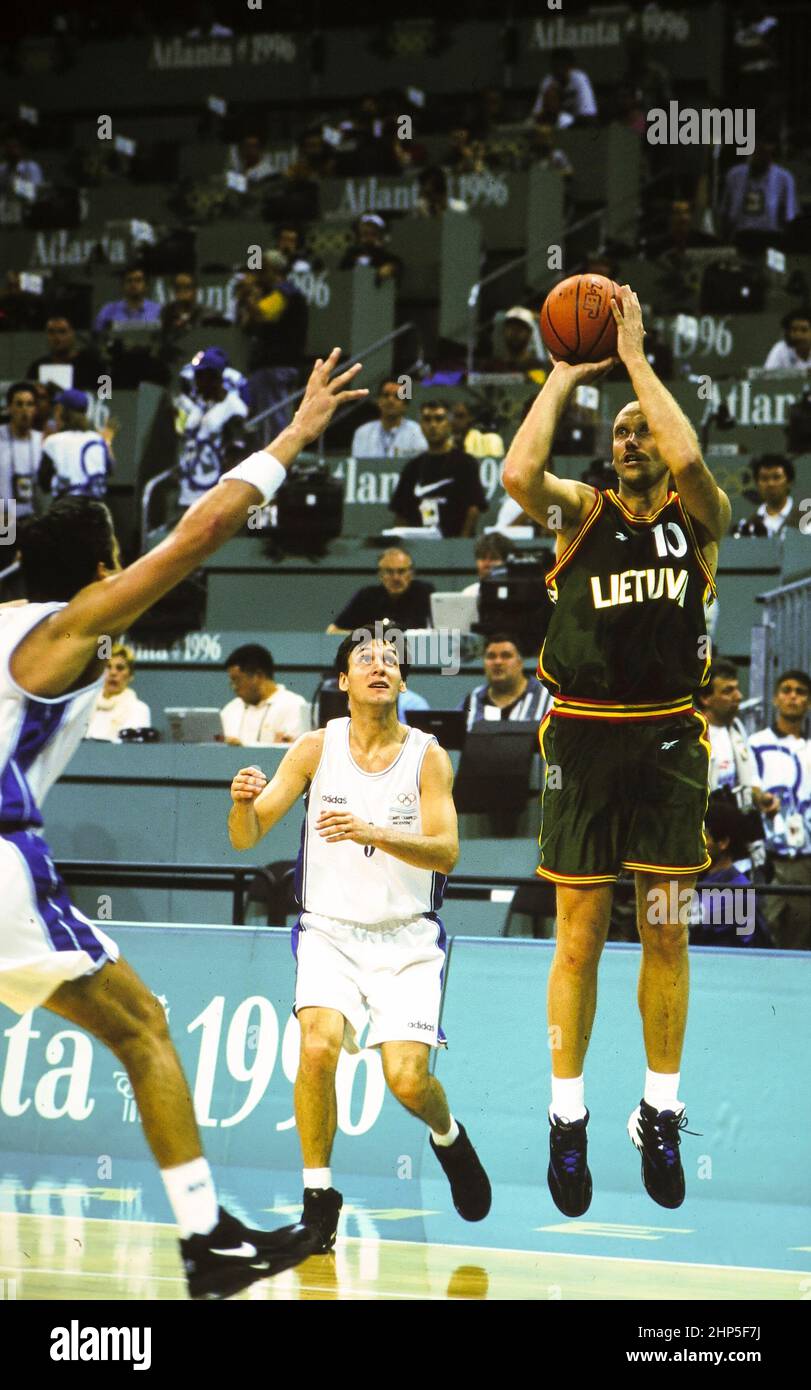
(396, 570)
(637, 461)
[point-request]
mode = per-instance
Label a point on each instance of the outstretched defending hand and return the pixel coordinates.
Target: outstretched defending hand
(322, 396)
(248, 783)
(630, 328)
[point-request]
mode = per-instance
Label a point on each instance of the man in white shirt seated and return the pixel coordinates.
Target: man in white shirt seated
(778, 511)
(794, 349)
(392, 436)
(783, 756)
(262, 711)
(577, 93)
(118, 707)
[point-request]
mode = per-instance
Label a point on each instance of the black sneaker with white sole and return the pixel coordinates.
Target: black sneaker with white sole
(568, 1174)
(657, 1135)
(470, 1185)
(233, 1256)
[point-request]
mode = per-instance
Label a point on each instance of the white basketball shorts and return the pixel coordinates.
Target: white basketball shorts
(388, 974)
(44, 939)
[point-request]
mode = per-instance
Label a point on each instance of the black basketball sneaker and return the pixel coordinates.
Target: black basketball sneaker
(657, 1135)
(470, 1185)
(232, 1256)
(568, 1174)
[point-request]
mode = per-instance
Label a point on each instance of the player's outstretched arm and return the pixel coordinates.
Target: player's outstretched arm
(258, 804)
(437, 848)
(673, 434)
(525, 477)
(58, 651)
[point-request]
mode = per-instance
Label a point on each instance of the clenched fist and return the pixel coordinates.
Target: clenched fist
(247, 784)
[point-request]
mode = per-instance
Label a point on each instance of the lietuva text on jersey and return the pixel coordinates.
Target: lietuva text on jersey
(629, 615)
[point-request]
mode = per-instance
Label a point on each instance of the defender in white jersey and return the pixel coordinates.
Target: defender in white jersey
(378, 840)
(52, 659)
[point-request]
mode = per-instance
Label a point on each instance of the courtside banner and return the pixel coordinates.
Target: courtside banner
(227, 993)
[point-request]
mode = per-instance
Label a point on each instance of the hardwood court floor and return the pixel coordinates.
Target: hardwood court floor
(64, 1257)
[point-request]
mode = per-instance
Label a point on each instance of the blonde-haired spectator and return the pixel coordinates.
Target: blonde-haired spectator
(118, 707)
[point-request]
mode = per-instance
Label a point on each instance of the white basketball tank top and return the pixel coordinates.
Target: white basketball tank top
(38, 734)
(356, 883)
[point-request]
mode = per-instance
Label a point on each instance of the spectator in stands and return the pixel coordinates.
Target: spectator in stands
(210, 421)
(314, 159)
(14, 165)
(369, 248)
(507, 693)
(628, 110)
(290, 244)
(20, 310)
(680, 235)
(733, 918)
(518, 336)
(250, 159)
(732, 762)
(542, 150)
(773, 475)
(440, 488)
(576, 92)
(399, 599)
(183, 310)
(393, 435)
(134, 307)
(208, 26)
(433, 197)
(795, 348)
(262, 711)
(45, 392)
(76, 460)
(783, 757)
(491, 550)
(759, 195)
(550, 111)
(467, 436)
(20, 449)
(118, 707)
(64, 350)
(273, 313)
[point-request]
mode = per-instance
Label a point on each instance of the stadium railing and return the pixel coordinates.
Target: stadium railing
(782, 640)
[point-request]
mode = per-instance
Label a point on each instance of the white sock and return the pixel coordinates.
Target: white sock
(317, 1177)
(192, 1196)
(444, 1141)
(662, 1089)
(568, 1098)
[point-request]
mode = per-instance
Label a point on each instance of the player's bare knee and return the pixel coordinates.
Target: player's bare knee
(669, 939)
(319, 1052)
(408, 1082)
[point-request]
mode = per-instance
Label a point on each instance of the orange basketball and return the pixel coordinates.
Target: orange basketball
(577, 324)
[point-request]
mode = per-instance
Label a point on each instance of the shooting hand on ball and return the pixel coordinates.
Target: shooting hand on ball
(630, 329)
(582, 373)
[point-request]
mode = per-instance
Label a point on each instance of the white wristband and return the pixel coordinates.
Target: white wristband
(263, 471)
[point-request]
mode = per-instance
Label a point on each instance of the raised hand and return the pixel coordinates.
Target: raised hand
(581, 373)
(247, 784)
(322, 396)
(630, 328)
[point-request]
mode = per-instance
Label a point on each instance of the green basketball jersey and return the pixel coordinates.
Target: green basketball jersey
(628, 618)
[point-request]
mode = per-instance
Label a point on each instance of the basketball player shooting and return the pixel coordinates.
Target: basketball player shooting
(378, 841)
(51, 671)
(625, 651)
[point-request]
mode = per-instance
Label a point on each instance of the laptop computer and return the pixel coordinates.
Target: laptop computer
(447, 725)
(194, 725)
(456, 612)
